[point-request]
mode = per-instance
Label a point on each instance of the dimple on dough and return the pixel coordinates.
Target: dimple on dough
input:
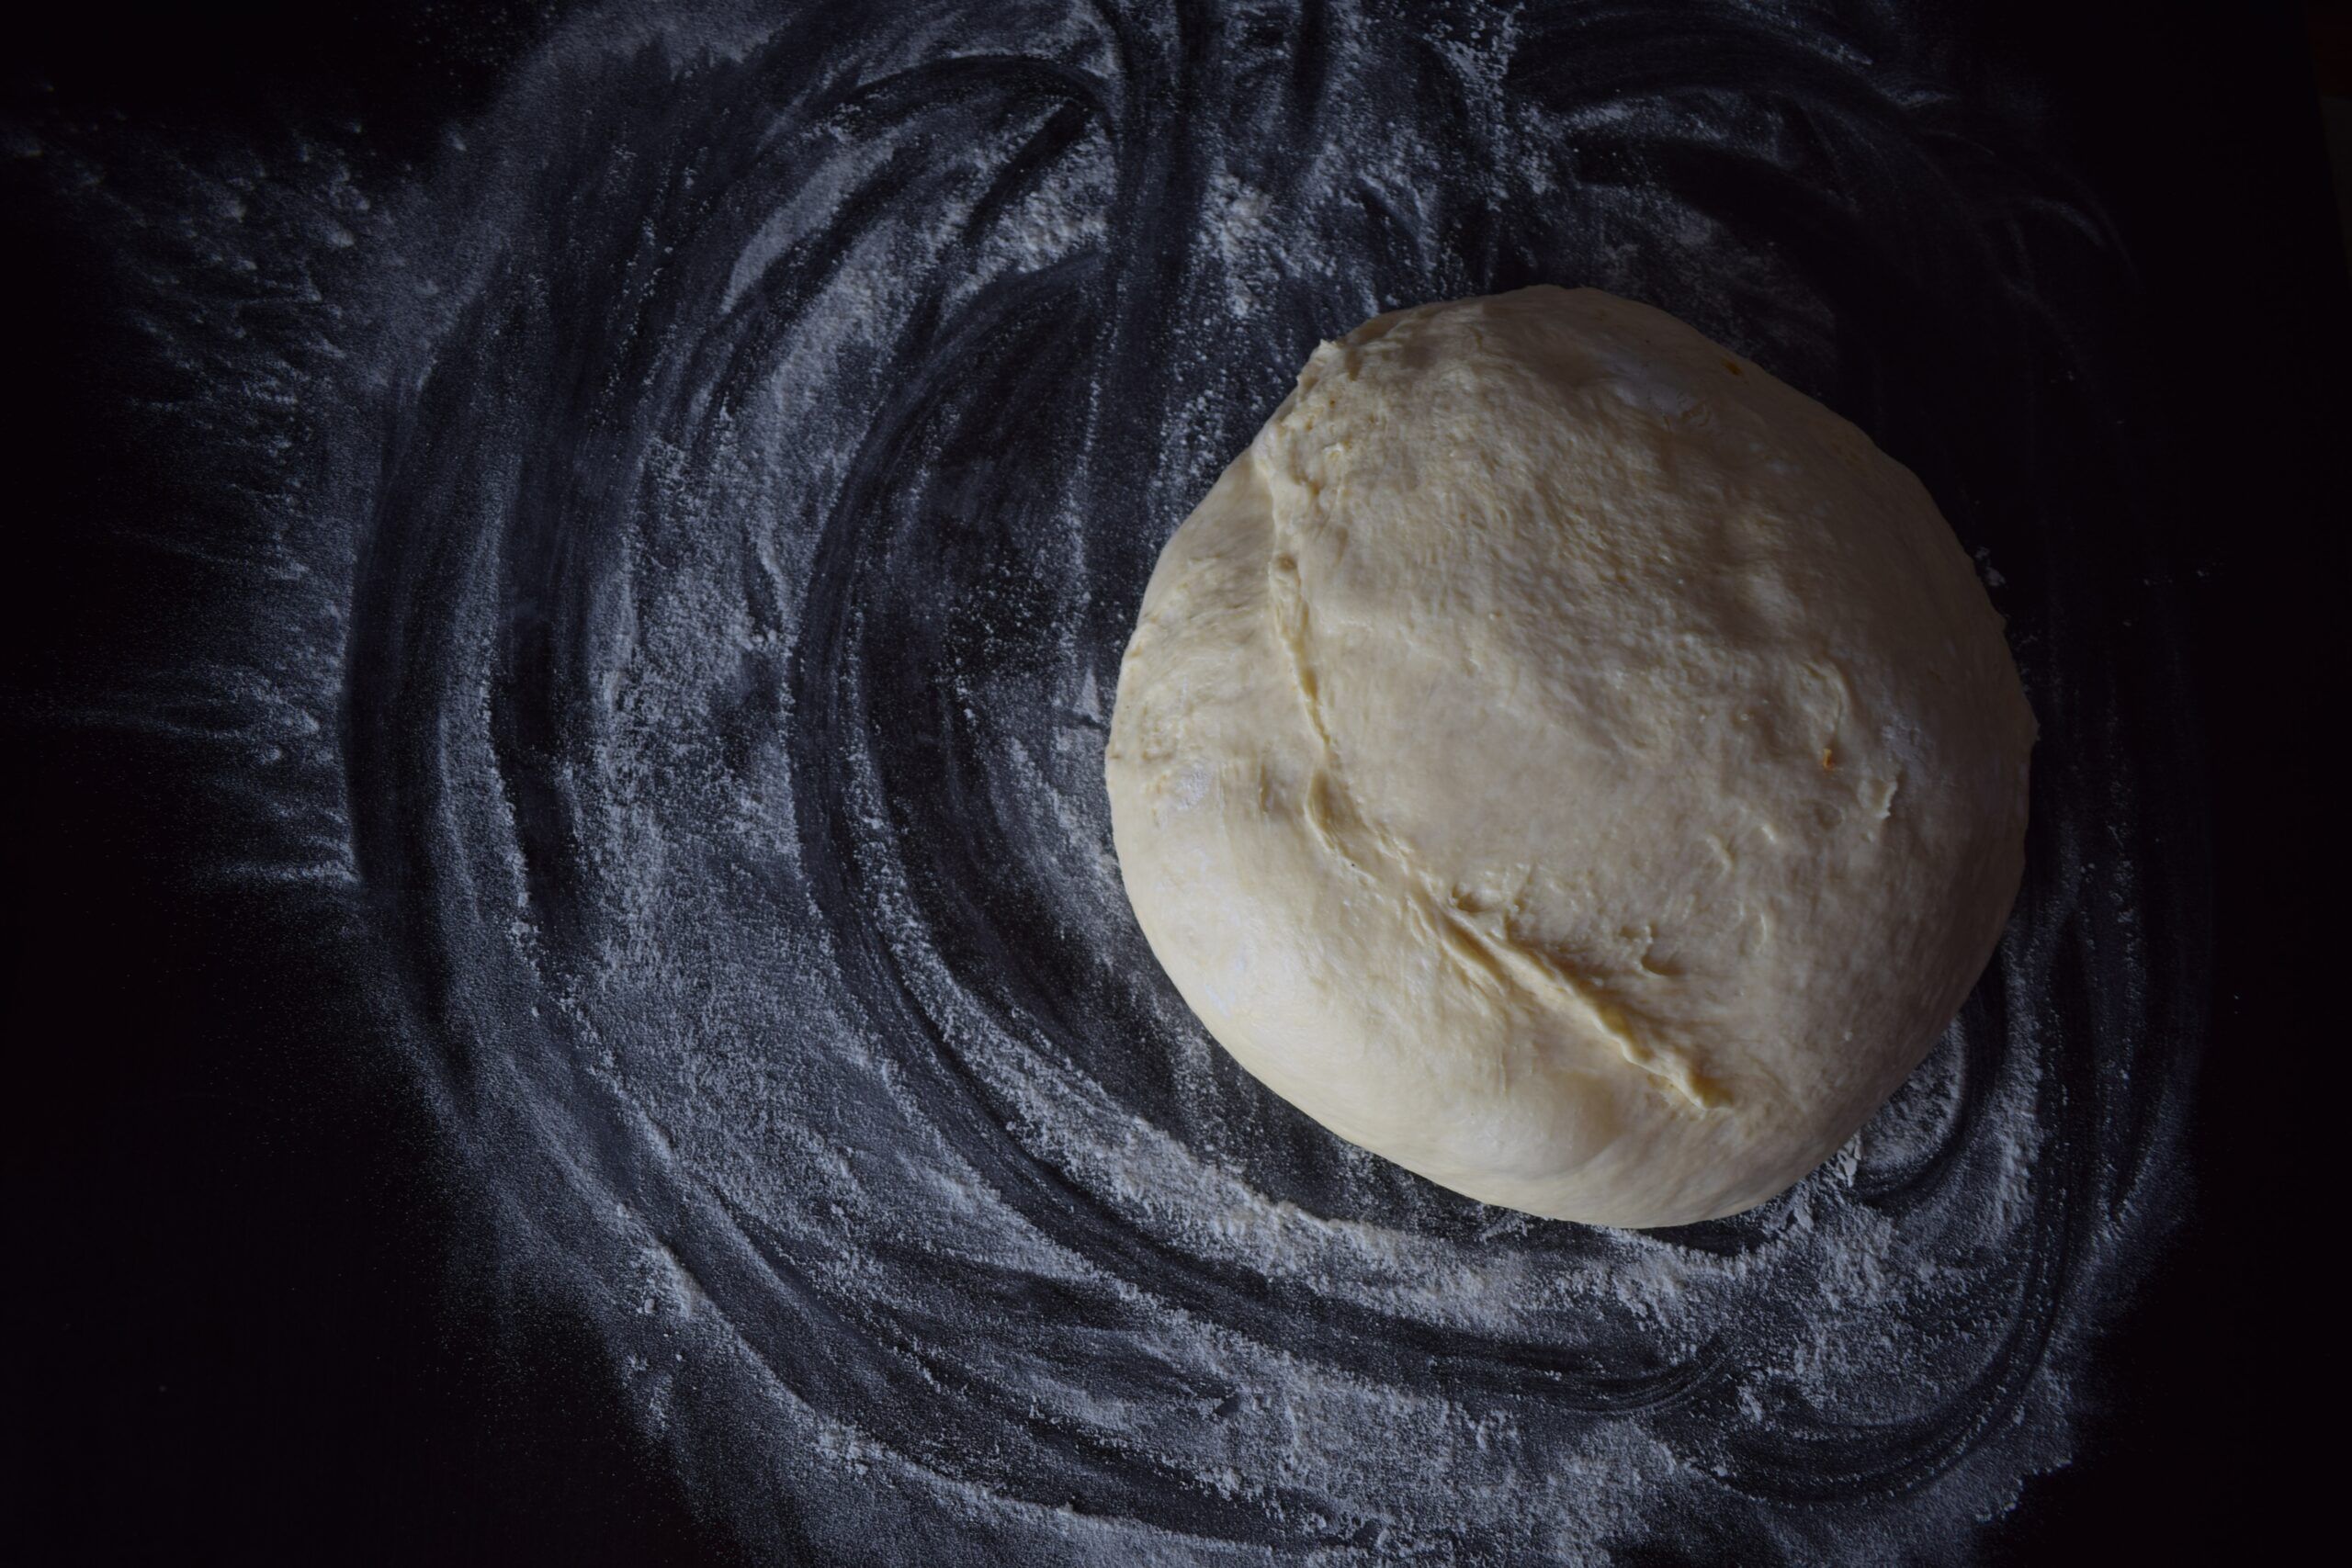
(1564, 760)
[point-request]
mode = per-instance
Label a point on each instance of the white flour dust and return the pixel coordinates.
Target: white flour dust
(685, 541)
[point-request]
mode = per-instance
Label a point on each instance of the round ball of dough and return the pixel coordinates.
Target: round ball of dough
(1567, 762)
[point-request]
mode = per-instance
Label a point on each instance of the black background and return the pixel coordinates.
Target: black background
(229, 1327)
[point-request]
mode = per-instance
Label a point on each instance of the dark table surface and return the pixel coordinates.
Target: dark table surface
(2081, 275)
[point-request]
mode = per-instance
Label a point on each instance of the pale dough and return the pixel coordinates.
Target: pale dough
(1564, 760)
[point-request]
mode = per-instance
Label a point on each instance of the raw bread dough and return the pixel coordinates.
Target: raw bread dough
(1564, 760)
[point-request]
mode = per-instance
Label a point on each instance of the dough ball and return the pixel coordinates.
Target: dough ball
(1567, 762)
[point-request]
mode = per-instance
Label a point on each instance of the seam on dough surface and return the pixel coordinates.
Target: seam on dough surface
(1489, 958)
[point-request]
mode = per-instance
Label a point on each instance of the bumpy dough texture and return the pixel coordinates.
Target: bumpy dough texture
(1569, 763)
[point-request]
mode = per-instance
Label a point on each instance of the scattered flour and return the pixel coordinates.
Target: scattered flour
(685, 541)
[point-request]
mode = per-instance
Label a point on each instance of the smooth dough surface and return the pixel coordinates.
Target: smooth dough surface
(1567, 760)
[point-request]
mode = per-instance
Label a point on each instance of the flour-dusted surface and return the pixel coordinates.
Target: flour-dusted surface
(680, 546)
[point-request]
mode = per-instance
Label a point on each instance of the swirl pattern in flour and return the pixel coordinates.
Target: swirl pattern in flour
(730, 476)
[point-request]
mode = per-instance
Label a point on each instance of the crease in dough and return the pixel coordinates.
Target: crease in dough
(1486, 956)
